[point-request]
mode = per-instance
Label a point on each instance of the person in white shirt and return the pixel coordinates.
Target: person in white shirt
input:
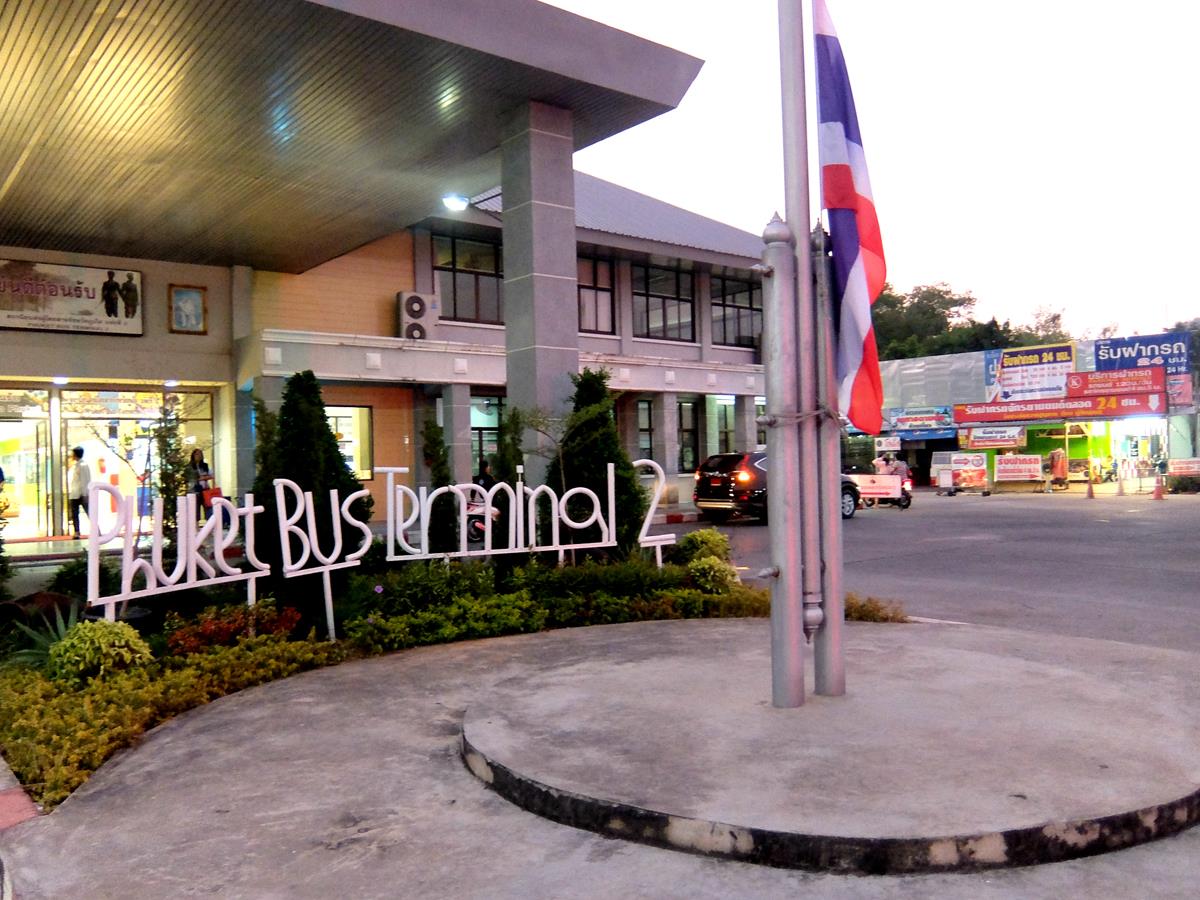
(77, 485)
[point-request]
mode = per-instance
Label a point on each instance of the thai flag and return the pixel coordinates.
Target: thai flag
(858, 264)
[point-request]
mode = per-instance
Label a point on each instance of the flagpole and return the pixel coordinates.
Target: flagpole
(796, 204)
(799, 471)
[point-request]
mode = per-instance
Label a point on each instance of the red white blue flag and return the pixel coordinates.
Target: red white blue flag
(858, 264)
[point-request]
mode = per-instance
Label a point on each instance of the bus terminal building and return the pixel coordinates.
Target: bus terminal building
(200, 198)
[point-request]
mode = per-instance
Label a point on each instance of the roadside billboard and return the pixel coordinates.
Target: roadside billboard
(1031, 373)
(1105, 406)
(993, 437)
(920, 423)
(1184, 467)
(970, 470)
(1118, 381)
(1171, 350)
(1019, 468)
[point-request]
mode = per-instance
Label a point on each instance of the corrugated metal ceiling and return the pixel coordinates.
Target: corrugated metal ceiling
(271, 133)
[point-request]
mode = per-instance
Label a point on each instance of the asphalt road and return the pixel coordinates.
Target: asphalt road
(1120, 568)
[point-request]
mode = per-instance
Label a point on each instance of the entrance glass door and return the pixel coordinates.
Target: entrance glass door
(25, 495)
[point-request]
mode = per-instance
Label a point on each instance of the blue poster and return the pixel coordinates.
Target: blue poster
(1170, 350)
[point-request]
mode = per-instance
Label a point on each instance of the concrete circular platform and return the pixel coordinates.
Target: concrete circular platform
(956, 747)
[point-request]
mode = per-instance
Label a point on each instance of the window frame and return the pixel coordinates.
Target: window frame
(457, 275)
(722, 311)
(597, 292)
(645, 435)
(668, 307)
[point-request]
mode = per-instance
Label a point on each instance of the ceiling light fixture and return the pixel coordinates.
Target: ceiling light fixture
(455, 202)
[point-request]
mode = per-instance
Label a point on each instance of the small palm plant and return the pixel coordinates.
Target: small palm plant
(42, 639)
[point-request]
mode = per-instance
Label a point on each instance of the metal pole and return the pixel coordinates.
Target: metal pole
(795, 175)
(828, 655)
(783, 449)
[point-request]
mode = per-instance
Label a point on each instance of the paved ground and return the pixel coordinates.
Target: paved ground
(1117, 568)
(346, 783)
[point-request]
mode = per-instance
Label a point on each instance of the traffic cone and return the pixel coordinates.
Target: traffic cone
(1158, 487)
(1091, 494)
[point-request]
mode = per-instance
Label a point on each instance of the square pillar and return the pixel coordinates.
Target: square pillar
(540, 297)
(745, 426)
(456, 423)
(665, 409)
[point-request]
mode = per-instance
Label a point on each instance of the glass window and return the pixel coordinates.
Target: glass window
(689, 436)
(486, 415)
(760, 410)
(725, 428)
(645, 423)
(351, 426)
(596, 296)
(663, 304)
(736, 311)
(469, 276)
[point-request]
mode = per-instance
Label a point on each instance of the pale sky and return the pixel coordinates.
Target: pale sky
(1032, 153)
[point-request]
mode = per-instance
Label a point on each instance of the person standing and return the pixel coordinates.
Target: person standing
(78, 480)
(484, 479)
(110, 293)
(129, 296)
(199, 478)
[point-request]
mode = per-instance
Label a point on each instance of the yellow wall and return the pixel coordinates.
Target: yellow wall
(353, 294)
(392, 430)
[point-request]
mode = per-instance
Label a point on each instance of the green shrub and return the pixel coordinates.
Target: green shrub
(71, 579)
(872, 609)
(95, 650)
(55, 734)
(414, 586)
(222, 626)
(712, 575)
(40, 640)
(1183, 484)
(632, 577)
(697, 544)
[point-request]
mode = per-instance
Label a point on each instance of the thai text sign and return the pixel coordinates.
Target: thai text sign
(1019, 468)
(46, 297)
(1035, 372)
(877, 487)
(1171, 350)
(884, 444)
(970, 470)
(1183, 467)
(1119, 381)
(1107, 406)
(993, 437)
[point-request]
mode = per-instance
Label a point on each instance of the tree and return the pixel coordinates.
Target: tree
(590, 442)
(443, 531)
(299, 445)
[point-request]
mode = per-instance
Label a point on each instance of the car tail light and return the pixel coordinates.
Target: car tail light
(741, 476)
(696, 475)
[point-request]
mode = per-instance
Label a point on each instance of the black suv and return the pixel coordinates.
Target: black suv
(729, 483)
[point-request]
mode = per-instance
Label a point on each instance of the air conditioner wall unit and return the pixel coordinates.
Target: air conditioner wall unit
(416, 315)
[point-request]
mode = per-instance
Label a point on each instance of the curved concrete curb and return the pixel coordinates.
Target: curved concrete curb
(1050, 842)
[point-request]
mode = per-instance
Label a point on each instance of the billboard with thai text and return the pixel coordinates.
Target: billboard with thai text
(41, 296)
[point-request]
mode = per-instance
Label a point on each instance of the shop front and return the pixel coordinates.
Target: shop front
(116, 429)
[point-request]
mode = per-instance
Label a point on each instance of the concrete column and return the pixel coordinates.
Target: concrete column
(540, 300)
(745, 429)
(456, 422)
(623, 299)
(665, 409)
(710, 438)
(627, 423)
(702, 310)
(241, 297)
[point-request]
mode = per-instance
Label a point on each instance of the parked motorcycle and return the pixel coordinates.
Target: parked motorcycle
(476, 524)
